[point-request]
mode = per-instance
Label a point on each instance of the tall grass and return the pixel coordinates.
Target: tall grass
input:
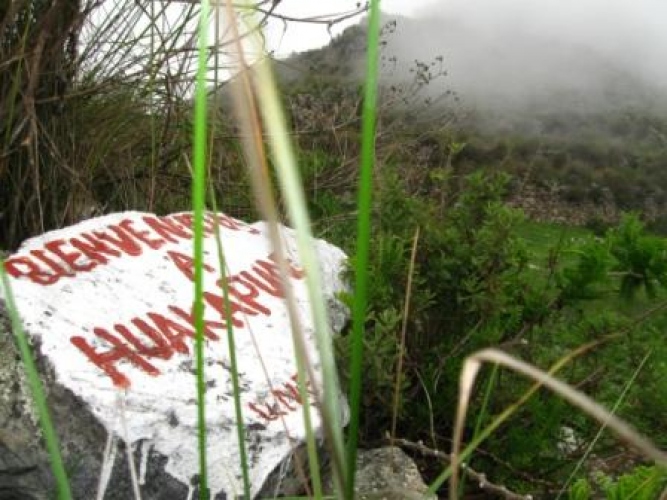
(363, 239)
(35, 382)
(246, 104)
(198, 207)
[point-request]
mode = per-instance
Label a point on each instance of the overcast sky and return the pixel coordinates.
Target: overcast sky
(511, 49)
(614, 22)
(504, 47)
(300, 37)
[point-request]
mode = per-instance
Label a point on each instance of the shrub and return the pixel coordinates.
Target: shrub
(473, 288)
(641, 258)
(642, 483)
(467, 292)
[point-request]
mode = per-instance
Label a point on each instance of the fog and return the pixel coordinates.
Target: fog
(540, 54)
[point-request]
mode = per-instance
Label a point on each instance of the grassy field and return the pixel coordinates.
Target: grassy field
(543, 237)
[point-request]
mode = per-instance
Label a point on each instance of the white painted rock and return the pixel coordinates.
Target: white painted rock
(109, 303)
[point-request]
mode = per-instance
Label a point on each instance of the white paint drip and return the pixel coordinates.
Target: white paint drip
(108, 460)
(143, 466)
(129, 445)
(282, 473)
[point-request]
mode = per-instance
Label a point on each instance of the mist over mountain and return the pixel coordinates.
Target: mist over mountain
(522, 56)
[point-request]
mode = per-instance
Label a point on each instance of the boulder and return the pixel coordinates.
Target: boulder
(108, 307)
(385, 474)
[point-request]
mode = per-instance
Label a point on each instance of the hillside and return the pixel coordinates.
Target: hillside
(529, 71)
(566, 118)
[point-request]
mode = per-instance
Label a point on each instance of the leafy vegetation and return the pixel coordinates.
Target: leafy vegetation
(478, 283)
(486, 276)
(644, 483)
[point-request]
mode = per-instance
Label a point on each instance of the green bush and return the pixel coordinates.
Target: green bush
(473, 287)
(642, 483)
(641, 258)
(468, 287)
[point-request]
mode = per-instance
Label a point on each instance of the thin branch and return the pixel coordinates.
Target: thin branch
(479, 477)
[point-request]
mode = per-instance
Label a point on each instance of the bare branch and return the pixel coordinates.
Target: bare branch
(481, 479)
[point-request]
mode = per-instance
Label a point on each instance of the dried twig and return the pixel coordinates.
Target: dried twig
(480, 477)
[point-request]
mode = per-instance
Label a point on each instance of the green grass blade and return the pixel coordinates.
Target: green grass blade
(50, 437)
(363, 239)
(404, 329)
(291, 187)
(480, 437)
(566, 392)
(238, 407)
(483, 413)
(240, 427)
(598, 435)
(198, 200)
(248, 115)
